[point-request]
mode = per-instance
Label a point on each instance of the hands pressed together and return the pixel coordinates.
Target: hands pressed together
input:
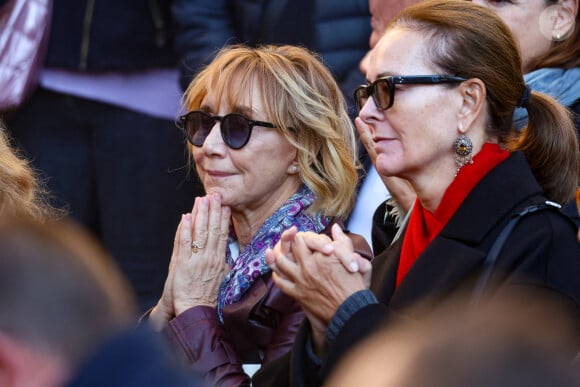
(197, 266)
(319, 272)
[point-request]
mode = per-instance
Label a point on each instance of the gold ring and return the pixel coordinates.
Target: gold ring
(195, 246)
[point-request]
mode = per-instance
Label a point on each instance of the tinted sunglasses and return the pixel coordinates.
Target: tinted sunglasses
(235, 128)
(383, 89)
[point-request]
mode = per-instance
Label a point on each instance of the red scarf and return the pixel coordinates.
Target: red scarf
(424, 226)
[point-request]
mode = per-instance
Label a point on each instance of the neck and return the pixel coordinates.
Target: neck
(430, 184)
(247, 222)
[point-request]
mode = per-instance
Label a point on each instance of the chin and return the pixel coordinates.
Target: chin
(386, 166)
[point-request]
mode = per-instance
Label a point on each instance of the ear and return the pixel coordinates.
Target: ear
(473, 95)
(558, 20)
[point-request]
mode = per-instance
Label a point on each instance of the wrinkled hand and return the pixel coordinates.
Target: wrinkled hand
(194, 278)
(315, 274)
(197, 276)
(312, 268)
(164, 311)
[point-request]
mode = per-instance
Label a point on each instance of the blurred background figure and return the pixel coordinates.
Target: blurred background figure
(67, 312)
(101, 130)
(337, 30)
(548, 34)
(522, 340)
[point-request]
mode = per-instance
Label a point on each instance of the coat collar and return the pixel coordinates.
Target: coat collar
(457, 252)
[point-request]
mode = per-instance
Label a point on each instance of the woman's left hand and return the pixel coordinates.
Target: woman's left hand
(200, 267)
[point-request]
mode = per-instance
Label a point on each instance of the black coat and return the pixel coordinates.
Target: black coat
(111, 35)
(542, 253)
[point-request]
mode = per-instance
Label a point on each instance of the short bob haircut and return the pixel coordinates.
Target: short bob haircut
(301, 98)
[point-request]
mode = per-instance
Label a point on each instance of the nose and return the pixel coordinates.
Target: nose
(214, 142)
(370, 111)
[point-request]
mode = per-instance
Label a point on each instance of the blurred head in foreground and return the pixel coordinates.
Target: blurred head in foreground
(60, 297)
(519, 340)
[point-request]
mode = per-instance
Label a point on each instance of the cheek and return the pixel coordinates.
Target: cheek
(196, 155)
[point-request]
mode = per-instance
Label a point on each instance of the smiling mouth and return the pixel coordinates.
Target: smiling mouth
(218, 174)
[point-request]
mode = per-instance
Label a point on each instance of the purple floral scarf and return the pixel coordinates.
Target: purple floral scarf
(251, 264)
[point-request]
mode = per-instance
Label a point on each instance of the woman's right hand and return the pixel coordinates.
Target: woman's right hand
(164, 311)
(200, 271)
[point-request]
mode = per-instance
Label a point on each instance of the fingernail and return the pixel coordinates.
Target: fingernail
(353, 267)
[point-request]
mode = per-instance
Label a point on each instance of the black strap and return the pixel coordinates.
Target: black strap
(490, 260)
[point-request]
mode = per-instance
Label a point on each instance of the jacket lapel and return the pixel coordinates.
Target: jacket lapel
(458, 252)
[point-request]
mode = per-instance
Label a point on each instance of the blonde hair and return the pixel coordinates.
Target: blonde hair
(21, 195)
(301, 98)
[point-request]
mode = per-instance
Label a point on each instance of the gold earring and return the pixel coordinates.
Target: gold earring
(463, 147)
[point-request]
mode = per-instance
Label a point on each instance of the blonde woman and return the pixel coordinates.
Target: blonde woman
(273, 147)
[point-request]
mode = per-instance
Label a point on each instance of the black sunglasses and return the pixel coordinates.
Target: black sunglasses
(235, 128)
(383, 89)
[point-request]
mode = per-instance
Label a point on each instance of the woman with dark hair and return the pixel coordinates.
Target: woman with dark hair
(440, 108)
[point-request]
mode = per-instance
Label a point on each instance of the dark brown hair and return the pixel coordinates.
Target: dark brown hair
(471, 41)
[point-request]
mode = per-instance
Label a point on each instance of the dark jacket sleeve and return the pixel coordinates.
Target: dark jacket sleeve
(298, 368)
(202, 28)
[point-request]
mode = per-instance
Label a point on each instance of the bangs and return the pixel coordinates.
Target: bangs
(234, 82)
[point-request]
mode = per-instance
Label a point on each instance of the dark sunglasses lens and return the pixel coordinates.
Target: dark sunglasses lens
(235, 130)
(361, 96)
(383, 94)
(197, 126)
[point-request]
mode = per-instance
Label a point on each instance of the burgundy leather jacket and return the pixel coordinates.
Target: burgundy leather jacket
(257, 329)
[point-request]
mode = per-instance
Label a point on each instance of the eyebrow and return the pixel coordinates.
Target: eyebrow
(245, 110)
(381, 75)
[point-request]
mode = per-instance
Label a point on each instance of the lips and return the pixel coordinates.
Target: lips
(218, 174)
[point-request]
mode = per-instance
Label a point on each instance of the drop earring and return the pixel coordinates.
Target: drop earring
(463, 147)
